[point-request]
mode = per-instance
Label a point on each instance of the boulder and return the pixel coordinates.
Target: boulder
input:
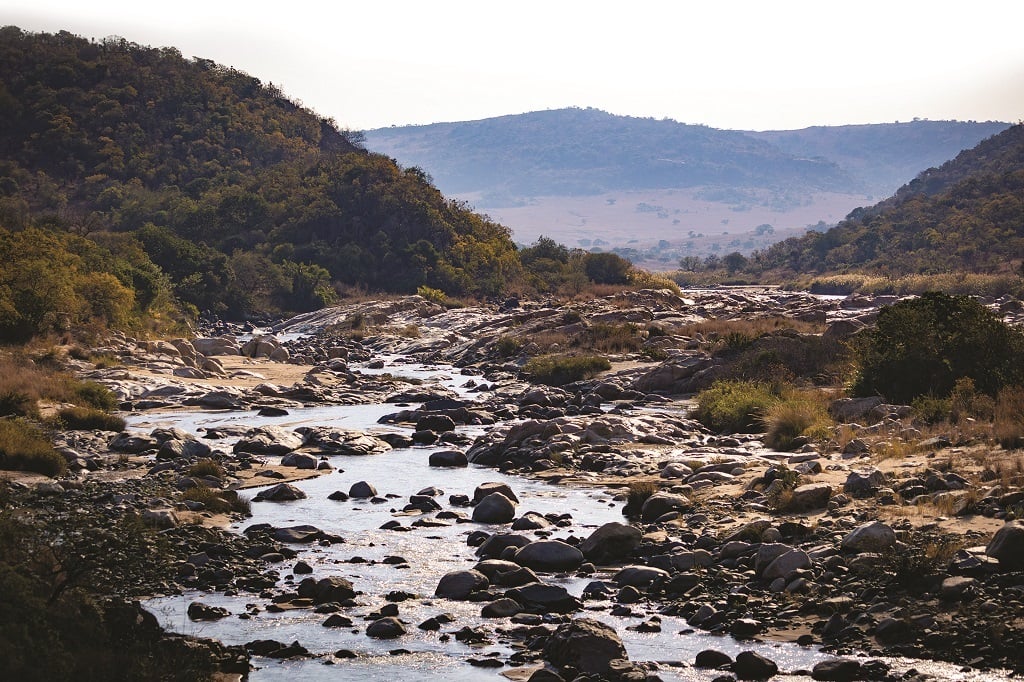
(460, 584)
(785, 564)
(860, 483)
(362, 490)
(870, 537)
(613, 541)
(325, 590)
(750, 665)
(300, 460)
(638, 576)
(329, 440)
(200, 611)
(1007, 546)
(161, 519)
(388, 627)
(846, 410)
(448, 458)
(215, 346)
(501, 608)
(189, 448)
(485, 489)
(438, 423)
(549, 555)
(269, 441)
(810, 496)
(543, 598)
(282, 492)
(586, 645)
(839, 669)
(495, 508)
(661, 503)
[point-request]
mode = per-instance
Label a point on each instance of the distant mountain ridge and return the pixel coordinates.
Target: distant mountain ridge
(587, 151)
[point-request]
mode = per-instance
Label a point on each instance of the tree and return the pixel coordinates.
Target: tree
(607, 268)
(923, 346)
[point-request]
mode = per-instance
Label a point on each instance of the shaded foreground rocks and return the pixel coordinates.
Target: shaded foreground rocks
(584, 646)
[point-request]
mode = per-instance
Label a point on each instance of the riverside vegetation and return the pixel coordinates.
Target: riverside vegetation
(170, 186)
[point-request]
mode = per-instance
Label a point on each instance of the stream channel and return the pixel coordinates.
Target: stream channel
(429, 553)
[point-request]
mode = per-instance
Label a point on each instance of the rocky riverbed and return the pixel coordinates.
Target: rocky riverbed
(885, 542)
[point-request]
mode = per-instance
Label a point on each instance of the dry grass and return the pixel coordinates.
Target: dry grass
(1008, 418)
(23, 447)
(972, 284)
(798, 415)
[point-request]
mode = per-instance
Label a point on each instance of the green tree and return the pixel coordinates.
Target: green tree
(922, 346)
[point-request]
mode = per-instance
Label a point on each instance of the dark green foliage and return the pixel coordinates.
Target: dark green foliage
(240, 197)
(607, 268)
(558, 370)
(922, 346)
(23, 447)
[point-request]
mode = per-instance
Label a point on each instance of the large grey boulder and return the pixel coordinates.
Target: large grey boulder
(613, 541)
(448, 458)
(809, 496)
(269, 441)
(863, 482)
(460, 584)
(586, 645)
(549, 555)
(638, 576)
(388, 627)
(329, 440)
(485, 489)
(662, 503)
(282, 492)
(786, 564)
(215, 346)
(495, 508)
(1007, 546)
(325, 590)
(870, 537)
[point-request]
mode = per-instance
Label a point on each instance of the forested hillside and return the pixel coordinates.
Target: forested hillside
(190, 175)
(966, 215)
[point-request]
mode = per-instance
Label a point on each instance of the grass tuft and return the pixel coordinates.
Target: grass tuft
(23, 447)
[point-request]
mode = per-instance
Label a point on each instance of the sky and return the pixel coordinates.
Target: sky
(739, 64)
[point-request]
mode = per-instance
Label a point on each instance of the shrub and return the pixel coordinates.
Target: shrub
(610, 338)
(557, 370)
(17, 403)
(796, 416)
(1008, 424)
(218, 501)
(931, 410)
(506, 346)
(923, 346)
(734, 406)
(206, 467)
(87, 419)
(431, 294)
(636, 494)
(23, 447)
(92, 394)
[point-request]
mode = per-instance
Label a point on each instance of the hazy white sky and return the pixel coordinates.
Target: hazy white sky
(745, 64)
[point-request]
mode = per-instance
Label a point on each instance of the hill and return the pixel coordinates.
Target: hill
(241, 197)
(586, 151)
(965, 215)
(883, 156)
(658, 190)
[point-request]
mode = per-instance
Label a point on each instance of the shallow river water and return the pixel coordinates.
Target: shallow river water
(429, 553)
